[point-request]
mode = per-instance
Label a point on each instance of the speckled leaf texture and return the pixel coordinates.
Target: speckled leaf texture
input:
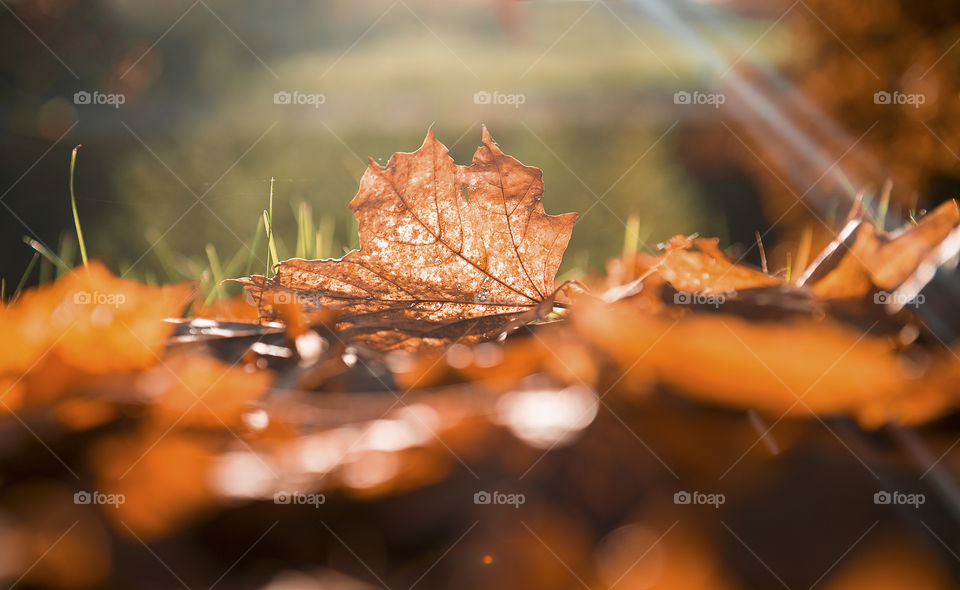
(447, 252)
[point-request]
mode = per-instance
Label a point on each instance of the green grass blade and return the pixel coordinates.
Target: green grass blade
(631, 235)
(73, 203)
(26, 274)
(268, 224)
(301, 249)
(354, 233)
(46, 270)
(305, 232)
(270, 204)
(271, 243)
(233, 266)
(217, 271)
(309, 230)
(324, 247)
(884, 205)
(166, 257)
(66, 254)
(46, 253)
(253, 249)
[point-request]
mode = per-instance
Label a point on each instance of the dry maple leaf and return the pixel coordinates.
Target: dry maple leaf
(700, 266)
(863, 258)
(692, 265)
(446, 252)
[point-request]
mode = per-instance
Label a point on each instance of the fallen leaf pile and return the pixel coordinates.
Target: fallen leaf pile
(380, 392)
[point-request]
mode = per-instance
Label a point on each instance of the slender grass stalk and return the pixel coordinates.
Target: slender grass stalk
(354, 233)
(46, 270)
(24, 277)
(271, 243)
(163, 253)
(301, 249)
(324, 246)
(253, 249)
(306, 247)
(803, 250)
(268, 224)
(763, 254)
(217, 271)
(193, 269)
(631, 235)
(47, 255)
(233, 266)
(884, 205)
(66, 254)
(309, 230)
(73, 203)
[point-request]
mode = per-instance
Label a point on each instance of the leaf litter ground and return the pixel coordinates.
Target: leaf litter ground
(440, 360)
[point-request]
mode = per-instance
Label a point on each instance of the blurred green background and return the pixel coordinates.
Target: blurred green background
(199, 119)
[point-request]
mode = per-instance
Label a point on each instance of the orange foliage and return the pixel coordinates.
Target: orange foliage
(201, 391)
(163, 476)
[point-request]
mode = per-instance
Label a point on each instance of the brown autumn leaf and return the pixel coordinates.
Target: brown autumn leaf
(158, 499)
(234, 309)
(446, 252)
(798, 368)
(86, 327)
(195, 390)
(92, 320)
(689, 264)
(864, 258)
(700, 266)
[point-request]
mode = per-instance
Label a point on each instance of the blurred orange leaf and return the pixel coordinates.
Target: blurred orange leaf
(201, 391)
(162, 476)
(88, 322)
(794, 367)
